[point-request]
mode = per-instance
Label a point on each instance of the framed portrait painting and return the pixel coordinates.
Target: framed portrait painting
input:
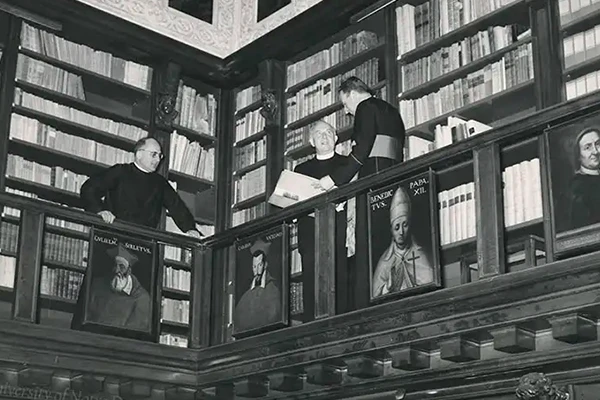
(261, 282)
(403, 238)
(572, 161)
(120, 286)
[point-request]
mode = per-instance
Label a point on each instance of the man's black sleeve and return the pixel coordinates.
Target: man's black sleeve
(96, 187)
(178, 209)
(365, 130)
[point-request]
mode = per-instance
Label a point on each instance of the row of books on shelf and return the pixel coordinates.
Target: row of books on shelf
(46, 75)
(295, 262)
(33, 131)
(247, 96)
(338, 52)
(296, 298)
(175, 310)
(191, 158)
(238, 217)
(250, 154)
(457, 129)
(176, 278)
(418, 25)
(515, 68)
(8, 266)
(582, 85)
(581, 46)
(324, 92)
(457, 55)
(252, 122)
(73, 115)
(57, 177)
(173, 340)
(197, 111)
(85, 57)
(573, 9)
(522, 192)
(299, 137)
(60, 283)
(65, 249)
(250, 184)
(9, 238)
(457, 213)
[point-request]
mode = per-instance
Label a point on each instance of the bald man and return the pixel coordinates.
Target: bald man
(404, 264)
(136, 192)
(323, 138)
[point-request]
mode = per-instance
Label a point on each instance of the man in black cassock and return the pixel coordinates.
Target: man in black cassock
(379, 136)
(260, 305)
(133, 193)
(323, 138)
(136, 193)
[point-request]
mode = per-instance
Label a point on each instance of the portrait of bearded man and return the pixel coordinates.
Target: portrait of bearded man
(118, 299)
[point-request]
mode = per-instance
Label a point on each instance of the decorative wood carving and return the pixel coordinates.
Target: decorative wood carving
(513, 339)
(537, 386)
(168, 84)
(328, 373)
(574, 328)
(459, 350)
(270, 108)
(290, 381)
(409, 359)
(372, 365)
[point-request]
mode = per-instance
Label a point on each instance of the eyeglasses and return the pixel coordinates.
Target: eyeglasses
(154, 154)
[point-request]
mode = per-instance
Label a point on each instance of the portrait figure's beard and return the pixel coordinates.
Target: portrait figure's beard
(119, 281)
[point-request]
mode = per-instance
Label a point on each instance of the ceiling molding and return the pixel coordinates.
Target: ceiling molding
(234, 21)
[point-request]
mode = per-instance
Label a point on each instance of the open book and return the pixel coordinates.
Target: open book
(292, 188)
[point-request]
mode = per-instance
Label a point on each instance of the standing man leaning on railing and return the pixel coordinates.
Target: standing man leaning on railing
(133, 193)
(379, 135)
(136, 192)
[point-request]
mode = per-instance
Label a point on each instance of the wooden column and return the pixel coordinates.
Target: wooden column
(272, 75)
(224, 160)
(200, 310)
(547, 52)
(489, 209)
(7, 88)
(325, 261)
(29, 266)
(391, 53)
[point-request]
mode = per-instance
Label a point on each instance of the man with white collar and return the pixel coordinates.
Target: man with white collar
(260, 305)
(119, 300)
(136, 192)
(585, 184)
(323, 138)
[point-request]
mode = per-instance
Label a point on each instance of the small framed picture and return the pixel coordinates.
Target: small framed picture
(121, 286)
(403, 238)
(261, 282)
(572, 162)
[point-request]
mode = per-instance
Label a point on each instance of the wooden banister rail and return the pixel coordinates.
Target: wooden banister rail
(529, 125)
(87, 218)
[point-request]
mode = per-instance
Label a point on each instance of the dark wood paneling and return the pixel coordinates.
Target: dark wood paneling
(489, 210)
(29, 266)
(325, 218)
(200, 305)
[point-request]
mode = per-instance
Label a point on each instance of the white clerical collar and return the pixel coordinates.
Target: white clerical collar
(140, 168)
(128, 286)
(325, 156)
(586, 171)
(263, 281)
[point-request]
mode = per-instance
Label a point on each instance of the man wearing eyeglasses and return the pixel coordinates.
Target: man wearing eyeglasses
(136, 193)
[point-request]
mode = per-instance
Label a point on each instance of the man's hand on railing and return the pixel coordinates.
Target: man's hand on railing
(107, 216)
(194, 233)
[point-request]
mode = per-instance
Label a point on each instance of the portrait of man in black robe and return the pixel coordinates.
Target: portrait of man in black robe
(260, 293)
